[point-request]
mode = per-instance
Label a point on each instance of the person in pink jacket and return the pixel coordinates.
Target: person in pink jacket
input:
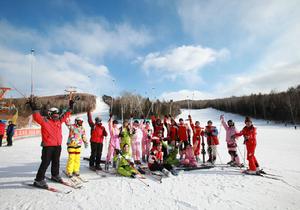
(146, 142)
(136, 140)
(231, 141)
(189, 157)
(114, 142)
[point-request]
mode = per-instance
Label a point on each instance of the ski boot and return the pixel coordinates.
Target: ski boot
(40, 184)
(98, 167)
(230, 162)
(166, 172)
(57, 178)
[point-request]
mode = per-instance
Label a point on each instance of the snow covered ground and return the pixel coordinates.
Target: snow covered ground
(278, 152)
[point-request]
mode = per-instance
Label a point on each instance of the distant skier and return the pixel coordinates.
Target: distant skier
(98, 133)
(2, 131)
(114, 142)
(51, 129)
(249, 133)
(231, 141)
(76, 138)
(10, 131)
(211, 133)
(197, 133)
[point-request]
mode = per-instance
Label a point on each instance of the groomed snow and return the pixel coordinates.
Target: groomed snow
(277, 151)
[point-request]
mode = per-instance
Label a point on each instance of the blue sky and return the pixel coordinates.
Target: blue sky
(158, 48)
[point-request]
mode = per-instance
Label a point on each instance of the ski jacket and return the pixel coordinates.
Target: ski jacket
(137, 132)
(125, 159)
(249, 134)
(156, 127)
(2, 128)
(147, 132)
(76, 135)
(50, 129)
(155, 156)
(98, 131)
(211, 133)
(197, 131)
(230, 132)
(114, 134)
(10, 131)
(125, 136)
(173, 133)
(183, 132)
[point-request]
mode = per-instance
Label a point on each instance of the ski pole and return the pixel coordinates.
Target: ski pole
(140, 179)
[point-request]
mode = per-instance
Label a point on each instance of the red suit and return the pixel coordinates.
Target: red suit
(197, 133)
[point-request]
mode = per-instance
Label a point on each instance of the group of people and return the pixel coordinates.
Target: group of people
(160, 144)
(10, 131)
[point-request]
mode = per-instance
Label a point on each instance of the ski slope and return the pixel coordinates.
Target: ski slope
(218, 188)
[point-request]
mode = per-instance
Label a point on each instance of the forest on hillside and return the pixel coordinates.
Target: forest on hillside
(278, 106)
(132, 104)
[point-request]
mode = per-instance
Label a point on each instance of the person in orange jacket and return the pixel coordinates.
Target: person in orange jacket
(197, 133)
(211, 133)
(172, 129)
(98, 133)
(183, 136)
(158, 126)
(51, 129)
(249, 133)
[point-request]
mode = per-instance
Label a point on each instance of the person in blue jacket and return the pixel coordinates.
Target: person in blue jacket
(10, 131)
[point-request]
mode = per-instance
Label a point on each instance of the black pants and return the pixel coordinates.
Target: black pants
(1, 137)
(159, 167)
(9, 140)
(96, 153)
(49, 154)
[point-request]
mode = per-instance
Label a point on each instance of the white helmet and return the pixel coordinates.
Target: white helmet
(53, 113)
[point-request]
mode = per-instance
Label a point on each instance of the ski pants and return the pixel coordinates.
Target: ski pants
(212, 153)
(96, 153)
(73, 164)
(136, 150)
(50, 154)
(234, 156)
(111, 149)
(126, 170)
(9, 140)
(1, 137)
(196, 146)
(159, 167)
(251, 157)
(146, 144)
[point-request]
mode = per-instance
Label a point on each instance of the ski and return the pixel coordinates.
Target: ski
(262, 175)
(75, 179)
(98, 172)
(72, 185)
(193, 168)
(51, 189)
(88, 159)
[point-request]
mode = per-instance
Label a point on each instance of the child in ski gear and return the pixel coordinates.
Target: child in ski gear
(125, 135)
(76, 138)
(155, 162)
(10, 131)
(157, 126)
(211, 134)
(136, 139)
(189, 158)
(98, 133)
(126, 165)
(183, 136)
(2, 131)
(231, 141)
(172, 155)
(146, 142)
(114, 142)
(197, 133)
(51, 129)
(156, 140)
(172, 129)
(249, 133)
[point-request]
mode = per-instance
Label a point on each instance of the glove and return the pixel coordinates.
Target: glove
(71, 104)
(189, 116)
(245, 139)
(32, 104)
(110, 115)
(86, 145)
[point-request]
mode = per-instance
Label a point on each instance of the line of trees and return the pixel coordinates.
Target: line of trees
(85, 103)
(132, 104)
(282, 106)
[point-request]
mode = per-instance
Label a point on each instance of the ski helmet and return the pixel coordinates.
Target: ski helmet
(53, 113)
(78, 121)
(230, 123)
(98, 120)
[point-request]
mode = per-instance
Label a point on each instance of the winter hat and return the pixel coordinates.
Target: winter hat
(209, 122)
(248, 119)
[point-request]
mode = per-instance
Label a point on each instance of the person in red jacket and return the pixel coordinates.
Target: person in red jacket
(51, 129)
(211, 133)
(249, 133)
(183, 136)
(2, 131)
(98, 133)
(172, 129)
(197, 133)
(157, 126)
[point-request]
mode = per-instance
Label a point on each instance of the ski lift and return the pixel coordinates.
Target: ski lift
(8, 110)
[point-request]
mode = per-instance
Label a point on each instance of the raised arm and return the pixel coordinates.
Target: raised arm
(223, 122)
(90, 121)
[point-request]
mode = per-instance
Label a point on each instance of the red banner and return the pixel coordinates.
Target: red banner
(26, 132)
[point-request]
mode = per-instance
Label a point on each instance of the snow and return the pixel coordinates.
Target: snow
(217, 188)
